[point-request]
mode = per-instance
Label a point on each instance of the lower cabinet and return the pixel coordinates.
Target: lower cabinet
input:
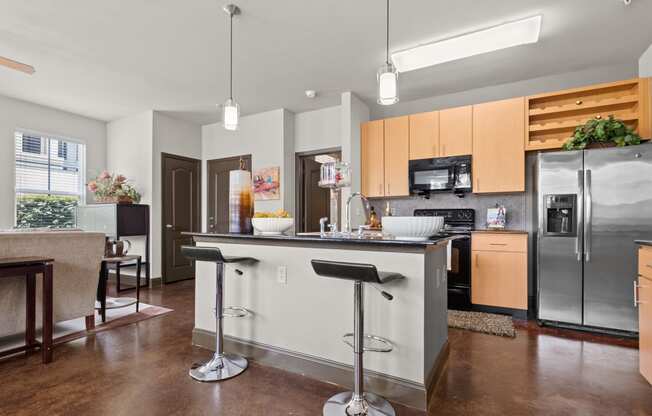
(644, 296)
(499, 270)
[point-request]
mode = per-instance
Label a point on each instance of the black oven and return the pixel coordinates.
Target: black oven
(442, 174)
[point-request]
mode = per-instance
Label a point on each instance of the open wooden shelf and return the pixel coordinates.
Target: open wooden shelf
(551, 118)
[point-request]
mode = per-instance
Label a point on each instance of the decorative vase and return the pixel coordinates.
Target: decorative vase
(106, 199)
(240, 202)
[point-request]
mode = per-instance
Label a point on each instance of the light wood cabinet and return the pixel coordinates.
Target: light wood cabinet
(552, 117)
(397, 133)
(499, 270)
(498, 146)
(456, 131)
(645, 312)
(424, 135)
(372, 158)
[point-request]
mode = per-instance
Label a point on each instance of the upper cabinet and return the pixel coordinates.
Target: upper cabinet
(456, 131)
(372, 158)
(552, 117)
(424, 135)
(397, 137)
(498, 146)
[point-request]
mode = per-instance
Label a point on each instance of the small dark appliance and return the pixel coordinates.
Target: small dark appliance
(442, 174)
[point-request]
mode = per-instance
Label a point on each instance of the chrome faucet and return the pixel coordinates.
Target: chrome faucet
(367, 208)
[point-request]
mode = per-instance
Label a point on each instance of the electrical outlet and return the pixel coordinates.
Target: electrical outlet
(282, 274)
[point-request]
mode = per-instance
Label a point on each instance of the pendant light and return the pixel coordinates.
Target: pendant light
(387, 76)
(231, 109)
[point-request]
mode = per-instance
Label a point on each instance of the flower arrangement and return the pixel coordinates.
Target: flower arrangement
(109, 188)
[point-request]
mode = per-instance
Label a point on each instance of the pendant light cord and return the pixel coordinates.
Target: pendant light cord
(387, 33)
(231, 57)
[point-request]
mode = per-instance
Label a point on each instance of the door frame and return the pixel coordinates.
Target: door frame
(198, 198)
(299, 213)
(208, 179)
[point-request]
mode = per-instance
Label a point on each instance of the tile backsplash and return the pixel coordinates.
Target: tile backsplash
(515, 205)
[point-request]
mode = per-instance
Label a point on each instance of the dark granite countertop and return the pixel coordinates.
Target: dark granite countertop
(387, 242)
(644, 242)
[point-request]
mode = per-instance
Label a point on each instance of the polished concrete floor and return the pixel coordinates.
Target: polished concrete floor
(141, 369)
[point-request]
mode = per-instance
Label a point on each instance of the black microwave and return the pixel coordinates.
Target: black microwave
(441, 174)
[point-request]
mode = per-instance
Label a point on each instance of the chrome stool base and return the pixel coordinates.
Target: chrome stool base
(219, 368)
(342, 404)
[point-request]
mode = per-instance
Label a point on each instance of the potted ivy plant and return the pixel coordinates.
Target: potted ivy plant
(601, 132)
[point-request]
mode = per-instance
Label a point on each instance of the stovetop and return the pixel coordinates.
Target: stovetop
(456, 221)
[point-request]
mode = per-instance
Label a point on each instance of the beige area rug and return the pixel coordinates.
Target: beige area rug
(76, 328)
(487, 323)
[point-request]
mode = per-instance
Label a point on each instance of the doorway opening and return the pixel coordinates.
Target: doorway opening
(313, 202)
(217, 211)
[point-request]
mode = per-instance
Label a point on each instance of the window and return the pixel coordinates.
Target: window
(31, 144)
(49, 181)
(62, 149)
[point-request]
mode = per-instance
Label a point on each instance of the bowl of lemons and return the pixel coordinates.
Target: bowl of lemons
(272, 223)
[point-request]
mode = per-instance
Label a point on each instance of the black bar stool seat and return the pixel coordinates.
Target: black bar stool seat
(358, 402)
(222, 366)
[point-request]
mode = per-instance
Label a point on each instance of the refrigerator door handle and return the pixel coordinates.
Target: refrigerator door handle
(580, 209)
(587, 215)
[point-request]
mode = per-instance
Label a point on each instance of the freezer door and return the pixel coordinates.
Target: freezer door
(618, 210)
(559, 257)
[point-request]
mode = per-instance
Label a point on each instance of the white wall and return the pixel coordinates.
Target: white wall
(268, 138)
(645, 63)
(134, 147)
(17, 114)
(514, 89)
(172, 136)
(318, 129)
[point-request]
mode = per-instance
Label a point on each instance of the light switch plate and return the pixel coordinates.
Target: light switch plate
(282, 274)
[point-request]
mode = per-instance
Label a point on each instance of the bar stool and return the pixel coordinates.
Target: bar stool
(222, 366)
(357, 402)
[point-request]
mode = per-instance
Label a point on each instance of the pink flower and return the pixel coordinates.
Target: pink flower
(120, 179)
(92, 186)
(105, 175)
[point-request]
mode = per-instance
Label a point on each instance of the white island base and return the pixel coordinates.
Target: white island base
(298, 318)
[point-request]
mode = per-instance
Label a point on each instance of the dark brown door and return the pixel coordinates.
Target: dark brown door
(316, 199)
(181, 213)
(218, 191)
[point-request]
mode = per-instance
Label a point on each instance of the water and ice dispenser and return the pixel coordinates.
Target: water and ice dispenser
(560, 215)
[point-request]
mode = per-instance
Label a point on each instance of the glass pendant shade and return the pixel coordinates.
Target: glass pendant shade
(230, 114)
(387, 84)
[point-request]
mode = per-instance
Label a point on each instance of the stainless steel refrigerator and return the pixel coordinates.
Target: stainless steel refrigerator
(592, 205)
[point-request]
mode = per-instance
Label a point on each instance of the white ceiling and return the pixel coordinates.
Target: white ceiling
(109, 59)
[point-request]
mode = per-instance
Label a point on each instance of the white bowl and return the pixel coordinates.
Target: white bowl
(412, 228)
(272, 226)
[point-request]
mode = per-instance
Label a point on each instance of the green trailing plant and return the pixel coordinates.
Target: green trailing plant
(602, 132)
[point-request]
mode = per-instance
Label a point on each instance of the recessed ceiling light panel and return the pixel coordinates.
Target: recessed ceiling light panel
(516, 33)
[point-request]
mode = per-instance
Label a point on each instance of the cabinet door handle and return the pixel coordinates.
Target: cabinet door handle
(497, 244)
(636, 286)
(477, 260)
(389, 189)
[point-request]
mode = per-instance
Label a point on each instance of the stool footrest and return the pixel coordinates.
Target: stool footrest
(235, 312)
(387, 344)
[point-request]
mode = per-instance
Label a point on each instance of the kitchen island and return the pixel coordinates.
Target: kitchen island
(298, 318)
